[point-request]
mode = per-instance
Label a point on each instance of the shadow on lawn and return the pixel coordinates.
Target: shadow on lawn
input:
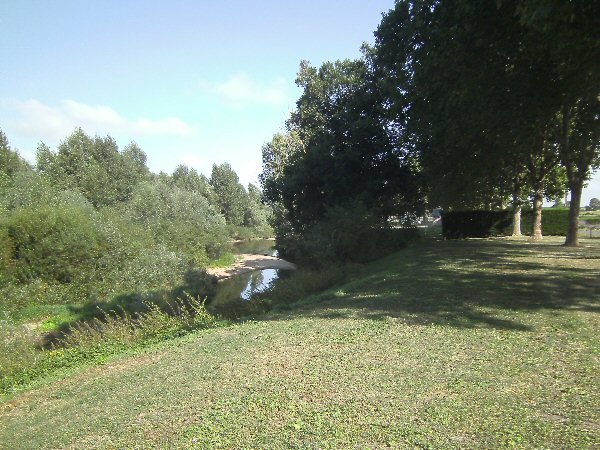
(469, 284)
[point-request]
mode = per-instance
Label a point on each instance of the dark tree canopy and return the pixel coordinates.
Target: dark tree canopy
(338, 150)
(493, 96)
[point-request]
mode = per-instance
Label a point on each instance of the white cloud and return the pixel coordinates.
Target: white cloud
(192, 160)
(241, 88)
(35, 119)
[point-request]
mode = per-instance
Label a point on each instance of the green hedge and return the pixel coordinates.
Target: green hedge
(464, 224)
(555, 222)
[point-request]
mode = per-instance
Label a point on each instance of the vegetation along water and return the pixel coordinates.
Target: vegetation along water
(437, 303)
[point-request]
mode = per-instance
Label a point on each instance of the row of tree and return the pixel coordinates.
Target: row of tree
(89, 212)
(106, 176)
(464, 105)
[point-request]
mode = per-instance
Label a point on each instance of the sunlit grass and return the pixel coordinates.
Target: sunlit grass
(448, 344)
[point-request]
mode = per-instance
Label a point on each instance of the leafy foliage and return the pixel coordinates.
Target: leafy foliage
(231, 195)
(95, 166)
(90, 224)
(54, 244)
(492, 97)
(336, 157)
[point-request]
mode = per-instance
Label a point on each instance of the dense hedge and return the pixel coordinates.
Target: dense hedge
(555, 222)
(463, 224)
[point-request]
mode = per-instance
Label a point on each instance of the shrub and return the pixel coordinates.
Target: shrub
(555, 221)
(346, 234)
(14, 297)
(54, 244)
(154, 323)
(462, 224)
(6, 256)
(17, 347)
(21, 361)
(184, 221)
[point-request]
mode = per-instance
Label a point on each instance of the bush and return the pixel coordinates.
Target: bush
(346, 234)
(17, 347)
(184, 221)
(555, 221)
(14, 296)
(185, 314)
(54, 244)
(6, 256)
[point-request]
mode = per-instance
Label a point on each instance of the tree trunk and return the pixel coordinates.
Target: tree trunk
(538, 201)
(574, 208)
(517, 220)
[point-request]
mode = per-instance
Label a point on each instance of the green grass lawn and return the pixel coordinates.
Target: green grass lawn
(456, 344)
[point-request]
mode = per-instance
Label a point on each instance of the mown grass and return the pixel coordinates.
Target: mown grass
(457, 344)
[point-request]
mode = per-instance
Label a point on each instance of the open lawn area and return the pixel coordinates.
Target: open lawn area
(447, 344)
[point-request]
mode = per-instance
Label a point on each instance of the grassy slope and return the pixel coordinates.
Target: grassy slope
(449, 344)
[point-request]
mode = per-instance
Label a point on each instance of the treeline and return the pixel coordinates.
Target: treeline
(459, 105)
(89, 220)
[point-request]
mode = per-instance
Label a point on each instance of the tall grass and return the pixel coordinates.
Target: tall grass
(23, 358)
(17, 346)
(122, 328)
(301, 284)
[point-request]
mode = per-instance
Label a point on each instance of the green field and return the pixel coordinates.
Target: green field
(455, 344)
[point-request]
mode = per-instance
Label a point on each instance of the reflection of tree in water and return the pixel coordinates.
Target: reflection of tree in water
(255, 285)
(229, 290)
(256, 247)
(232, 297)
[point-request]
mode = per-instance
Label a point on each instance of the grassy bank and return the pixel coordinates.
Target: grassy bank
(458, 344)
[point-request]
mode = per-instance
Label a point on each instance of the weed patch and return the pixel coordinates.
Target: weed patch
(85, 342)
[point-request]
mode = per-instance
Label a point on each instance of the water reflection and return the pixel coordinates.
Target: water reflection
(256, 247)
(259, 281)
(233, 296)
(244, 286)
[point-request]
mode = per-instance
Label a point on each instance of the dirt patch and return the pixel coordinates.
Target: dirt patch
(249, 263)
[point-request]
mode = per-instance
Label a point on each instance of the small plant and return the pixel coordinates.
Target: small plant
(126, 329)
(17, 346)
(227, 259)
(23, 360)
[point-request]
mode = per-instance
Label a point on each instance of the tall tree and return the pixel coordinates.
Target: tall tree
(189, 179)
(344, 152)
(94, 166)
(277, 154)
(482, 83)
(231, 195)
(442, 72)
(10, 160)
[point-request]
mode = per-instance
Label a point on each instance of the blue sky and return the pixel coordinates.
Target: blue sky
(193, 82)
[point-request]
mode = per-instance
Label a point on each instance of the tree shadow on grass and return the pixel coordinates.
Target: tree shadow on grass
(467, 284)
